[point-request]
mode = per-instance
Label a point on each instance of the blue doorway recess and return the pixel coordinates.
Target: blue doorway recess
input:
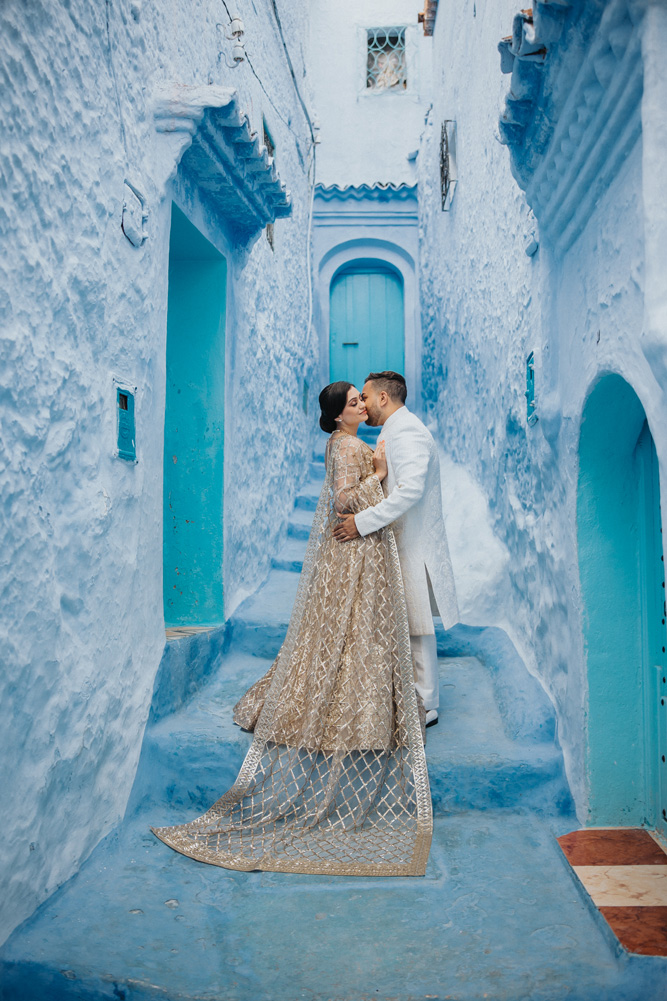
(194, 428)
(622, 577)
(366, 322)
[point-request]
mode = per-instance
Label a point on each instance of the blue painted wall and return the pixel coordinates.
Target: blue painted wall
(486, 305)
(614, 592)
(194, 428)
(81, 307)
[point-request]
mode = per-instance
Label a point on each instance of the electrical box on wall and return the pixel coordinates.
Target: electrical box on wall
(125, 428)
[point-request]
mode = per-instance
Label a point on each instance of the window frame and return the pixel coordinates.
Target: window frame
(411, 63)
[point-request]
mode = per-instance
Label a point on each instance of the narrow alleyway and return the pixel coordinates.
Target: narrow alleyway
(211, 212)
(499, 914)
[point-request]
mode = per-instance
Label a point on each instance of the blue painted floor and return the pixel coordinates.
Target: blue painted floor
(499, 914)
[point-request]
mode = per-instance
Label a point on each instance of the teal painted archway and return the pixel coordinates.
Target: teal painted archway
(622, 580)
(194, 428)
(366, 321)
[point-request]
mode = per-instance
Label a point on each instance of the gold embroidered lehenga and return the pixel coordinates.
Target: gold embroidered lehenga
(335, 780)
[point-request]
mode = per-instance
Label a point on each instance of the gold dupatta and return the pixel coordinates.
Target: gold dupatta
(335, 780)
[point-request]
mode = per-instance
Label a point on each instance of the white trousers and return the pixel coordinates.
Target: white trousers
(425, 663)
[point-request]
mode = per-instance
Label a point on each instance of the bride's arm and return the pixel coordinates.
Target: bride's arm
(353, 490)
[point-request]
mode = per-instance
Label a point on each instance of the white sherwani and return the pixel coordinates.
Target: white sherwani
(413, 506)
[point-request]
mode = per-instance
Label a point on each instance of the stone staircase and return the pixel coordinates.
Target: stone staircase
(498, 915)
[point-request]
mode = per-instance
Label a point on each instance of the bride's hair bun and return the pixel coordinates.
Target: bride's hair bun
(332, 403)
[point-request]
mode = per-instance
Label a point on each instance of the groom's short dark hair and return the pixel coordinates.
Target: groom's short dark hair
(391, 383)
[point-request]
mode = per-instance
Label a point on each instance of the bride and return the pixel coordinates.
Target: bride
(335, 780)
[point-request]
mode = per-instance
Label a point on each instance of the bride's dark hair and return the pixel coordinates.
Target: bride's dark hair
(332, 403)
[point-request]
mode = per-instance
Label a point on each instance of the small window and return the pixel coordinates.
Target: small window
(386, 59)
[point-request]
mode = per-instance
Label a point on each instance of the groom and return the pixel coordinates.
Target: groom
(413, 506)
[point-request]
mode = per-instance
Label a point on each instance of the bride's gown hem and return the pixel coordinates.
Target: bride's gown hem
(335, 781)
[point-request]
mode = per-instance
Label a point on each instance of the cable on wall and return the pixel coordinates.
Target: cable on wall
(287, 125)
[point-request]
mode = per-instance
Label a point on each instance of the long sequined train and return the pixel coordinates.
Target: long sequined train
(335, 780)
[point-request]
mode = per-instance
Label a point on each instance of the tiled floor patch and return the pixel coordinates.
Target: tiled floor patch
(640, 929)
(625, 873)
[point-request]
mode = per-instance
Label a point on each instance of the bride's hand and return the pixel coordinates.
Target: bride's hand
(380, 461)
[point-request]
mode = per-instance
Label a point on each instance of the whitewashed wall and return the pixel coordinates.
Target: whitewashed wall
(366, 135)
(485, 306)
(81, 626)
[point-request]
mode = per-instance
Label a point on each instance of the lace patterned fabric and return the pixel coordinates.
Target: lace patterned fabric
(335, 780)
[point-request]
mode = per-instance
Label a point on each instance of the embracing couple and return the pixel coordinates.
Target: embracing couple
(335, 780)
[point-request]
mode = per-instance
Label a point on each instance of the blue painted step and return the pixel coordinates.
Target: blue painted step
(498, 915)
(307, 500)
(259, 624)
(299, 524)
(290, 556)
(191, 757)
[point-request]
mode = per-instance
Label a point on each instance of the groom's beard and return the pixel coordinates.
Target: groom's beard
(372, 420)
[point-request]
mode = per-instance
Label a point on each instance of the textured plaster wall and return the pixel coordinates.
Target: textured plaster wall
(366, 135)
(81, 537)
(485, 306)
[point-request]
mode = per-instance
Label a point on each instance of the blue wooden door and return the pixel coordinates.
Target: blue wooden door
(366, 323)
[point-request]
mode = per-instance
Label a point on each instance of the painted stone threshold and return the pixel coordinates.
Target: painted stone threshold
(624, 872)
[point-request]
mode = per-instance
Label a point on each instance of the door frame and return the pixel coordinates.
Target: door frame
(654, 632)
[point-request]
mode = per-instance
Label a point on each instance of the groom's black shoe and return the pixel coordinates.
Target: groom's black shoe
(431, 718)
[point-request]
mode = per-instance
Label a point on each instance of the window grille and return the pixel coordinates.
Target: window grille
(385, 67)
(448, 176)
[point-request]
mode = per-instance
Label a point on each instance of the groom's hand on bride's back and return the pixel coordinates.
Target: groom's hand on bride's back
(346, 529)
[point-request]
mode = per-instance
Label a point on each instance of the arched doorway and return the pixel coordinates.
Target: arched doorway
(366, 321)
(622, 576)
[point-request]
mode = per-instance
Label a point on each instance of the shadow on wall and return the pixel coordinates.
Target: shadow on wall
(480, 560)
(622, 582)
